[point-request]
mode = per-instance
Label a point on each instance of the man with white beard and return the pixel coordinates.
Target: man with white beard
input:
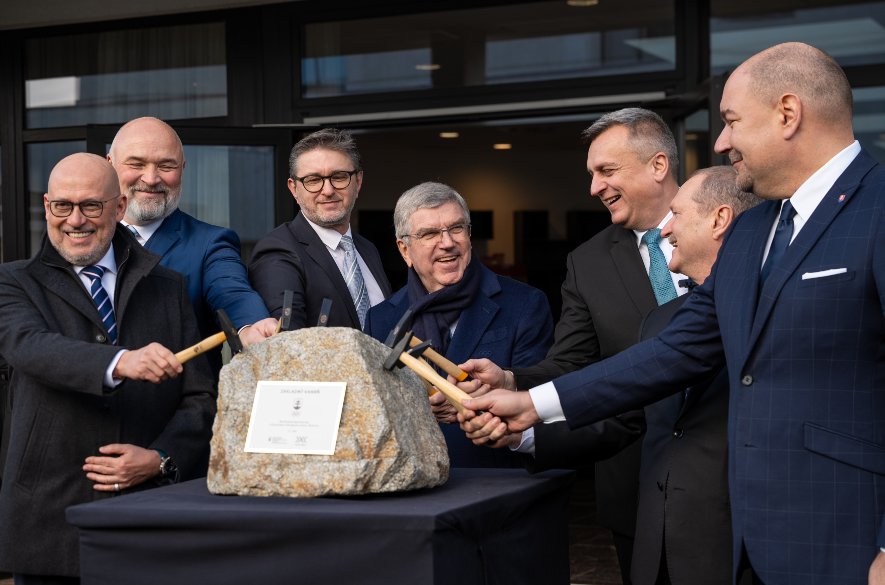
(149, 159)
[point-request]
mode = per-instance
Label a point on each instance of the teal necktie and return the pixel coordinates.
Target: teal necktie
(658, 273)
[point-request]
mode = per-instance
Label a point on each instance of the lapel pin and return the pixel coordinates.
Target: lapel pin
(841, 197)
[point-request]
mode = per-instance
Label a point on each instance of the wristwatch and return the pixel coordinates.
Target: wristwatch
(168, 469)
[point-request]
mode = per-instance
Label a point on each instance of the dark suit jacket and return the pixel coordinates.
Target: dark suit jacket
(209, 258)
(806, 363)
(293, 257)
(509, 323)
(605, 296)
(51, 334)
(683, 480)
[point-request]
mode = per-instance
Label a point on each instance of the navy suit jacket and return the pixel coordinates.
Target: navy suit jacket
(509, 323)
(806, 363)
(683, 480)
(293, 257)
(209, 258)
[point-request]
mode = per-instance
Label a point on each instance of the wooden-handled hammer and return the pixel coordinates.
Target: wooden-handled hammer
(228, 333)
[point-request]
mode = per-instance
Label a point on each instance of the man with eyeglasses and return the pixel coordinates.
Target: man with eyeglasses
(317, 255)
(460, 306)
(149, 159)
(99, 399)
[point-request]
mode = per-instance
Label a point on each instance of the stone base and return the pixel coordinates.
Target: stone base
(388, 439)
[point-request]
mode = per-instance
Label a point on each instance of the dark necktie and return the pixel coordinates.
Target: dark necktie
(658, 273)
(783, 233)
(101, 300)
(353, 276)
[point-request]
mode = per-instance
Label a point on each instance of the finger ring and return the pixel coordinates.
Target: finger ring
(117, 487)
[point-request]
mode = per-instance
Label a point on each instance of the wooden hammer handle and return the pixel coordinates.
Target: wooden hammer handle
(452, 393)
(443, 362)
(203, 346)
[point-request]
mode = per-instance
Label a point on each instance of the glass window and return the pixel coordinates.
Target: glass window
(98, 78)
(528, 42)
(231, 186)
(869, 120)
(852, 32)
(41, 158)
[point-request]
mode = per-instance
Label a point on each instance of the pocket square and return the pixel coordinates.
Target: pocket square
(823, 273)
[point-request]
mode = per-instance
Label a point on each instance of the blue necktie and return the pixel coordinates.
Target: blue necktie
(101, 300)
(353, 276)
(658, 273)
(783, 233)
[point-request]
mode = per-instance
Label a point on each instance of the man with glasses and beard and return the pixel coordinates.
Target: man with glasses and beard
(316, 255)
(100, 404)
(149, 159)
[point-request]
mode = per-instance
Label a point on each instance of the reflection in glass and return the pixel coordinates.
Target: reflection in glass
(853, 33)
(41, 158)
(231, 186)
(869, 120)
(95, 78)
(528, 42)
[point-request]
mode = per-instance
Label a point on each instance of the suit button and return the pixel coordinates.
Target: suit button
(678, 433)
(101, 338)
(747, 380)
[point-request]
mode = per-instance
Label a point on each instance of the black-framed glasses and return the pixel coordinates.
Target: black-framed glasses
(338, 180)
(430, 237)
(91, 208)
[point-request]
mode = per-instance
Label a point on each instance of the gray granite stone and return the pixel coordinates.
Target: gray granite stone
(388, 439)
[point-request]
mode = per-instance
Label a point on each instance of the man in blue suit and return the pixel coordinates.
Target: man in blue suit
(459, 305)
(149, 159)
(795, 306)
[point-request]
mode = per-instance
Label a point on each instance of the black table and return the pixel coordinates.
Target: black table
(484, 526)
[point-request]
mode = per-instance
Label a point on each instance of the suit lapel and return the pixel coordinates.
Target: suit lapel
(318, 251)
(475, 320)
(58, 278)
(373, 261)
(627, 261)
(166, 236)
(830, 206)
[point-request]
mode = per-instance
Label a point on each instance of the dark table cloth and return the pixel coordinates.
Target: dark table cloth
(484, 526)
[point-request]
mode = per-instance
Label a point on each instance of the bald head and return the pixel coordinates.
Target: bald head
(83, 205)
(149, 159)
(806, 71)
(85, 167)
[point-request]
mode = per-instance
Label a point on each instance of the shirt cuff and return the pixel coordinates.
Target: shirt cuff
(527, 443)
(109, 380)
(547, 403)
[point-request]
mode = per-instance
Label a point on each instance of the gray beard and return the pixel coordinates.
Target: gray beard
(139, 213)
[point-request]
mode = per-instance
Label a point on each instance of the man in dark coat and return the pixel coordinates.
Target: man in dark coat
(90, 417)
(317, 255)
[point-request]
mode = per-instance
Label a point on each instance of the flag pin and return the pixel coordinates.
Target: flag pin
(841, 197)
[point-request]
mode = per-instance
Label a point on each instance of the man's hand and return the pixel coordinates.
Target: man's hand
(489, 373)
(152, 363)
(121, 466)
(442, 409)
(515, 409)
(877, 570)
(258, 331)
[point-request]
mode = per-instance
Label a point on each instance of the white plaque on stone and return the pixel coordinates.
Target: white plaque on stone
(295, 417)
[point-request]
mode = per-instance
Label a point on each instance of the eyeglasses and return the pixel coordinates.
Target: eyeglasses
(432, 236)
(91, 209)
(338, 180)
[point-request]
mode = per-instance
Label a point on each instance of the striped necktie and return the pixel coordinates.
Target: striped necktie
(353, 276)
(658, 273)
(101, 300)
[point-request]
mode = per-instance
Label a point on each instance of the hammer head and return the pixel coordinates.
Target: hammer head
(399, 329)
(233, 338)
(399, 347)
